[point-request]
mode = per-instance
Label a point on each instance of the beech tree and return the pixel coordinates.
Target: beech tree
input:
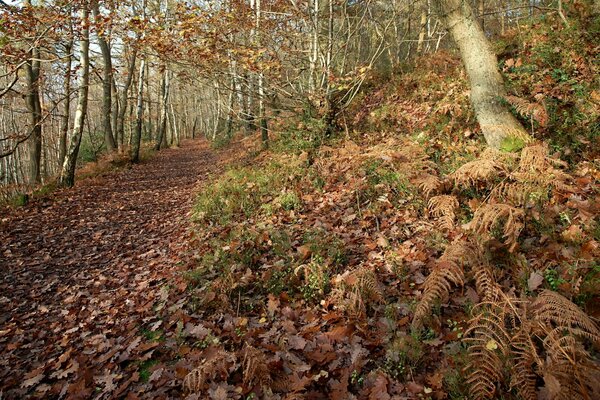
(500, 128)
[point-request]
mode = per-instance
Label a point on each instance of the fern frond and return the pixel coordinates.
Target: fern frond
(569, 371)
(525, 358)
(557, 311)
(444, 208)
(447, 271)
(490, 165)
(485, 283)
(355, 290)
(489, 344)
(429, 184)
(254, 367)
(218, 366)
(535, 111)
(489, 216)
(519, 193)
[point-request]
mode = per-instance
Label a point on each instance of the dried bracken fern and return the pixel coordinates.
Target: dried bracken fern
(486, 285)
(355, 290)
(490, 216)
(218, 367)
(447, 271)
(489, 344)
(554, 310)
(536, 167)
(569, 372)
(536, 111)
(519, 194)
(523, 377)
(429, 184)
(490, 165)
(254, 367)
(444, 207)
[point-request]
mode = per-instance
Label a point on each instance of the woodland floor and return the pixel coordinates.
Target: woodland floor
(83, 273)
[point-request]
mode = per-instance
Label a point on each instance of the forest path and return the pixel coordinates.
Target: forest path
(81, 275)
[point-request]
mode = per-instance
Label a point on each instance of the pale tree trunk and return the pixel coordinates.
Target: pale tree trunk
(264, 130)
(115, 110)
(500, 128)
(164, 94)
(125, 97)
(67, 175)
(314, 44)
(137, 135)
(217, 114)
(32, 72)
(422, 30)
(107, 79)
(64, 130)
(175, 128)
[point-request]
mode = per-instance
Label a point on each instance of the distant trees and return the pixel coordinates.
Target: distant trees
(164, 69)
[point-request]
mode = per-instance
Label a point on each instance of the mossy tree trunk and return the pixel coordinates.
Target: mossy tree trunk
(500, 128)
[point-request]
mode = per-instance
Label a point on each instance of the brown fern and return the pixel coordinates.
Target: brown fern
(447, 271)
(535, 111)
(526, 358)
(217, 367)
(489, 344)
(429, 184)
(254, 367)
(490, 165)
(552, 309)
(356, 290)
(444, 207)
(486, 285)
(569, 372)
(490, 216)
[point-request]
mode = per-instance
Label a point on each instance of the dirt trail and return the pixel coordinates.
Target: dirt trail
(81, 276)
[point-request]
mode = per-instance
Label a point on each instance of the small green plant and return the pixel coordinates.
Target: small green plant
(455, 327)
(316, 280)
(145, 369)
(289, 200)
(553, 278)
(403, 356)
(356, 378)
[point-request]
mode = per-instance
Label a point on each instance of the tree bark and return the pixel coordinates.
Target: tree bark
(124, 96)
(107, 79)
(500, 128)
(137, 135)
(264, 130)
(64, 130)
(67, 175)
(164, 94)
(32, 72)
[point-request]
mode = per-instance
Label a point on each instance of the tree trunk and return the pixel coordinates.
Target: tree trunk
(422, 30)
(107, 79)
(164, 94)
(500, 128)
(125, 97)
(67, 175)
(32, 72)
(264, 131)
(64, 130)
(137, 135)
(115, 111)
